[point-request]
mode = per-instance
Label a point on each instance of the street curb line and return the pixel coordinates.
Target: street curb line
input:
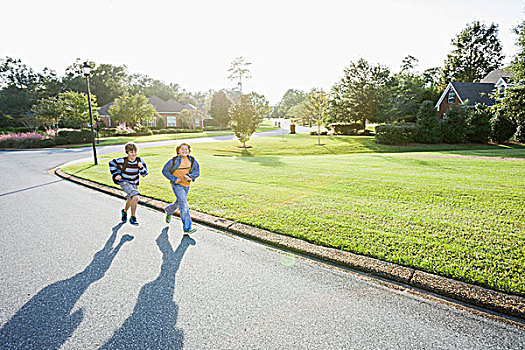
(512, 305)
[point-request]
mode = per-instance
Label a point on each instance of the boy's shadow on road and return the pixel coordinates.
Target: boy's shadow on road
(152, 323)
(45, 321)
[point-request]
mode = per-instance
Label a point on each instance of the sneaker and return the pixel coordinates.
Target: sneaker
(168, 218)
(133, 221)
(191, 230)
(124, 216)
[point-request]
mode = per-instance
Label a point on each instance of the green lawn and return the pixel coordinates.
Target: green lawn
(441, 209)
(117, 140)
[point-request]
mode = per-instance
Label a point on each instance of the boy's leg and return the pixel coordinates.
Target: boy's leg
(128, 204)
(182, 193)
(133, 204)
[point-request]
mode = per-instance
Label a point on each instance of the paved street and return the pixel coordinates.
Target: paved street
(72, 278)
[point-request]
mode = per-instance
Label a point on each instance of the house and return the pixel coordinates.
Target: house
(168, 111)
(473, 93)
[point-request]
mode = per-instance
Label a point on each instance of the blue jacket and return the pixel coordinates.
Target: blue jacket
(173, 164)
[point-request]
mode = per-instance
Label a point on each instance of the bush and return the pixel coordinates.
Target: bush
(163, 131)
(210, 122)
(21, 140)
(107, 132)
(61, 141)
(345, 128)
(325, 132)
(396, 134)
(48, 143)
(454, 125)
(215, 128)
(364, 133)
(76, 136)
(155, 132)
(478, 124)
(428, 126)
(520, 133)
(502, 128)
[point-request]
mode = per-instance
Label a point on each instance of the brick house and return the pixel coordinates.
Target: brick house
(168, 111)
(473, 93)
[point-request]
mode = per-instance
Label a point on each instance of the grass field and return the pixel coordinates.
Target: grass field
(452, 210)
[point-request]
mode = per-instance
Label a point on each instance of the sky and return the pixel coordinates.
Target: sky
(299, 44)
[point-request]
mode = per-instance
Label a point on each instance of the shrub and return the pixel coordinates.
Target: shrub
(454, 124)
(48, 143)
(502, 128)
(210, 123)
(215, 128)
(345, 128)
(163, 131)
(428, 126)
(61, 140)
(325, 132)
(478, 124)
(155, 132)
(76, 136)
(396, 134)
(21, 140)
(520, 133)
(107, 132)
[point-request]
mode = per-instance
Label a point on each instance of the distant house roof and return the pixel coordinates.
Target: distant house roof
(496, 74)
(170, 106)
(473, 93)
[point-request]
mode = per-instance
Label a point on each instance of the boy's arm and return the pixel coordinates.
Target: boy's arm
(114, 169)
(144, 170)
(195, 171)
(167, 171)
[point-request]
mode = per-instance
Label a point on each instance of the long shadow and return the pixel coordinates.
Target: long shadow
(45, 321)
(30, 188)
(152, 323)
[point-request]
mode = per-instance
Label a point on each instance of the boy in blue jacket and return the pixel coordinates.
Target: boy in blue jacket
(181, 170)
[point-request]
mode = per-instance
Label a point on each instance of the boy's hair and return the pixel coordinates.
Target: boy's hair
(130, 146)
(180, 145)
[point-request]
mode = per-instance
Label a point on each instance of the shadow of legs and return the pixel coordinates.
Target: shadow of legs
(45, 321)
(152, 323)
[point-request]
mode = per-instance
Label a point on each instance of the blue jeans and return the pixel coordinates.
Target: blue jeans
(181, 202)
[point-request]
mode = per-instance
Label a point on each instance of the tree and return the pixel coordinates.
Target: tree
(454, 125)
(477, 51)
(219, 105)
(262, 105)
(364, 93)
(244, 118)
(189, 116)
(239, 70)
(518, 63)
(291, 97)
(411, 90)
(75, 107)
(316, 108)
(106, 81)
(428, 127)
(132, 109)
(478, 124)
(49, 111)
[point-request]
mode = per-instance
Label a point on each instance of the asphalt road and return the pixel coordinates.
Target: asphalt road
(71, 277)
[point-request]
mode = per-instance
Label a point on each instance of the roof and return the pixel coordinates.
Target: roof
(474, 93)
(170, 106)
(496, 74)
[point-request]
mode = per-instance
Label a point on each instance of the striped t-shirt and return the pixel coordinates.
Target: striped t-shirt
(132, 171)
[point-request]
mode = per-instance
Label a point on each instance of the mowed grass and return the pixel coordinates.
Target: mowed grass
(457, 211)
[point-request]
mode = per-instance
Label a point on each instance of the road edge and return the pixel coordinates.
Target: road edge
(507, 304)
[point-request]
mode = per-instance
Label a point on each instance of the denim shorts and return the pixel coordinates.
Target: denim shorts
(129, 188)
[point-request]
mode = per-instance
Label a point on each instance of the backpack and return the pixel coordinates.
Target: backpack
(123, 168)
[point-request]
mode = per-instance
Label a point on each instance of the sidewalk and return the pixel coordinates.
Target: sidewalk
(506, 304)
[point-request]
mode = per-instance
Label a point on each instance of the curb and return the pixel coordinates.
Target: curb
(511, 305)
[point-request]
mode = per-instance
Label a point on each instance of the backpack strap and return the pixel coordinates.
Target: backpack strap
(124, 166)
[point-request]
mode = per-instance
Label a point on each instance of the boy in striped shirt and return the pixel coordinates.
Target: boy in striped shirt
(125, 172)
